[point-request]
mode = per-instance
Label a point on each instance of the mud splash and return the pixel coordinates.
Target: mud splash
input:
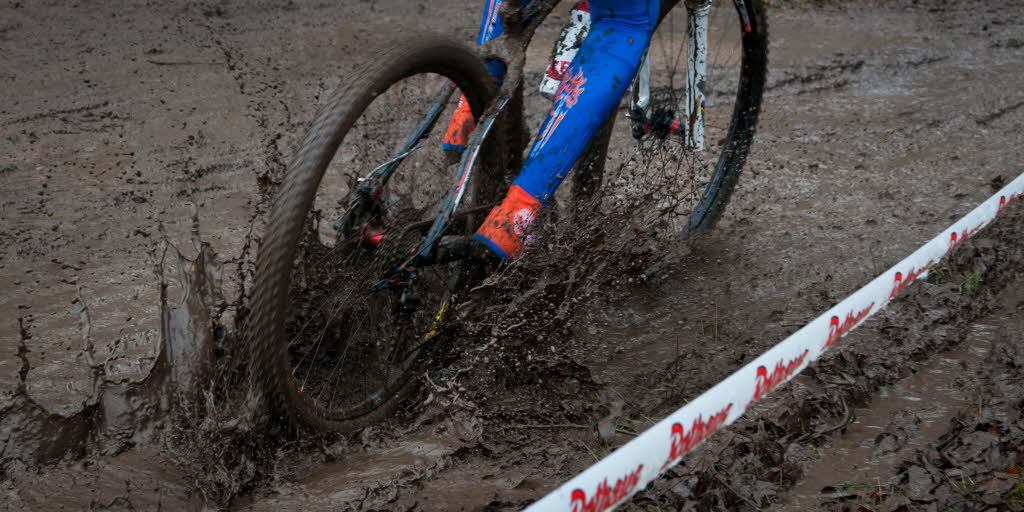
(120, 414)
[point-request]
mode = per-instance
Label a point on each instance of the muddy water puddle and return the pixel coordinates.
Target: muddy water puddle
(348, 479)
(899, 420)
(378, 473)
(138, 480)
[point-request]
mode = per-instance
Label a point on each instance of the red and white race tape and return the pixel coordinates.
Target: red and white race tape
(631, 467)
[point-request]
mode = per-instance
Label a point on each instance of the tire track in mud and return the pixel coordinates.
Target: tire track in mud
(243, 75)
(261, 110)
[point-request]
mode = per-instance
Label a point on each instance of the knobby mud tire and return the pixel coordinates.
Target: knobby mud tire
(266, 325)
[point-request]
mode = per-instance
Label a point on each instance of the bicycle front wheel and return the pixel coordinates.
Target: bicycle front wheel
(332, 349)
(687, 179)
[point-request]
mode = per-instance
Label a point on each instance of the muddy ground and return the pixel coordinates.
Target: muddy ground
(135, 132)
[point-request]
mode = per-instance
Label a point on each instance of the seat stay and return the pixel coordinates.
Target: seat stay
(378, 177)
(370, 187)
(425, 252)
(455, 195)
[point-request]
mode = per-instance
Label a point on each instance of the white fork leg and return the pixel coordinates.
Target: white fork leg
(640, 96)
(696, 71)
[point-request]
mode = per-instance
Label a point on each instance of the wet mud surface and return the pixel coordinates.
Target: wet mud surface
(948, 436)
(140, 146)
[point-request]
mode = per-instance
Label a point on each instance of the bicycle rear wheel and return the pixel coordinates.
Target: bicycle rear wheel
(330, 352)
(691, 187)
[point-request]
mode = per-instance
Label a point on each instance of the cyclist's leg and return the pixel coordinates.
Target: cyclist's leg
(462, 122)
(591, 88)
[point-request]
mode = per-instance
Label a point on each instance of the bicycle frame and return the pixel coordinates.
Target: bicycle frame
(520, 23)
(511, 49)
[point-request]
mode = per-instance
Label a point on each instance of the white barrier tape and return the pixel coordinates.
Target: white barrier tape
(631, 467)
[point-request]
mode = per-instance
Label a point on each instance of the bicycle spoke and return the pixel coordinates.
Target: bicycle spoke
(665, 177)
(347, 343)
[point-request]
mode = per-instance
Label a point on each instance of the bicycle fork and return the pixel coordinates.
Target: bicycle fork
(662, 121)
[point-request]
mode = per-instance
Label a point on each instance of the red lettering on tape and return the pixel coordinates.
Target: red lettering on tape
(837, 330)
(955, 240)
(1005, 201)
(766, 383)
(683, 441)
(902, 282)
(605, 497)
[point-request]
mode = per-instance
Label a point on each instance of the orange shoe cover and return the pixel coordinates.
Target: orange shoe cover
(459, 128)
(505, 230)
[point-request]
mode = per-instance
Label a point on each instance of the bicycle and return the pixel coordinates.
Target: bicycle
(343, 312)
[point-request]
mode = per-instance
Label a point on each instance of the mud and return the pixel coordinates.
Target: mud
(948, 436)
(884, 121)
